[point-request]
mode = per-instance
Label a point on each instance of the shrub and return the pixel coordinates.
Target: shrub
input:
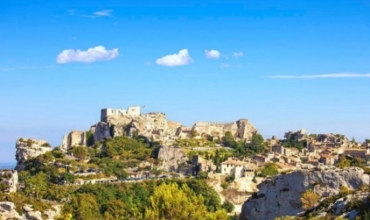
(228, 206)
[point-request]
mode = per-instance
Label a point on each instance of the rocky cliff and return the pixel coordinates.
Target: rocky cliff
(8, 211)
(172, 158)
(157, 127)
(280, 196)
(10, 178)
(27, 148)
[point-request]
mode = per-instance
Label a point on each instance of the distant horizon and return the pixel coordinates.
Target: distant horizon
(282, 65)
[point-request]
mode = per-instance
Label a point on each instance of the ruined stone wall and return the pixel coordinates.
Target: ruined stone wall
(106, 113)
(74, 138)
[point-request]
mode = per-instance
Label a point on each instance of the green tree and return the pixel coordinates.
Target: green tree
(202, 175)
(79, 152)
(85, 207)
(36, 185)
(89, 138)
(166, 201)
(228, 206)
(257, 144)
(343, 162)
(270, 169)
(115, 208)
(228, 140)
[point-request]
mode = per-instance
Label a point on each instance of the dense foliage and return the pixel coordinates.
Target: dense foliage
(147, 200)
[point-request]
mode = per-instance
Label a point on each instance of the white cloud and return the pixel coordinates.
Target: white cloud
(182, 58)
(237, 54)
(318, 76)
(224, 65)
(103, 13)
(93, 54)
(212, 54)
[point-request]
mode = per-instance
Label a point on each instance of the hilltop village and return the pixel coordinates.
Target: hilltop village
(233, 159)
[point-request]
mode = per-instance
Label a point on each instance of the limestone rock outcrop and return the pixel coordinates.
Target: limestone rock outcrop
(7, 211)
(54, 212)
(28, 148)
(172, 158)
(10, 178)
(31, 214)
(280, 196)
(156, 126)
(74, 138)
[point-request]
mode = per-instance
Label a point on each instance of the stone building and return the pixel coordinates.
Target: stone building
(74, 138)
(108, 112)
(358, 153)
(237, 168)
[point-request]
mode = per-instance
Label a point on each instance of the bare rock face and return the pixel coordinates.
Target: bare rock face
(74, 138)
(172, 158)
(280, 196)
(101, 131)
(151, 125)
(155, 126)
(7, 211)
(10, 178)
(28, 148)
(30, 214)
(54, 212)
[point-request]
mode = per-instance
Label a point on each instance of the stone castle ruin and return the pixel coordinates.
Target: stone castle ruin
(107, 113)
(154, 125)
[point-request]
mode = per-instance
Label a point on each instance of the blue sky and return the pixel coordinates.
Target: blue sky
(285, 66)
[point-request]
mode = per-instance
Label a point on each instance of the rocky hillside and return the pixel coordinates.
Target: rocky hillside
(280, 196)
(28, 148)
(155, 126)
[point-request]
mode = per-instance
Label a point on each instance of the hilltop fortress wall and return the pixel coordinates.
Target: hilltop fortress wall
(133, 111)
(154, 125)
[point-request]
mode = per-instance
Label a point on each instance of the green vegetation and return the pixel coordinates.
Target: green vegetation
(167, 198)
(79, 152)
(269, 169)
(228, 206)
(89, 138)
(292, 143)
(146, 200)
(309, 199)
(190, 143)
(48, 179)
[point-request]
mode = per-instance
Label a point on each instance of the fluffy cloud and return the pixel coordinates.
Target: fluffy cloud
(212, 54)
(103, 13)
(318, 76)
(179, 59)
(94, 54)
(237, 54)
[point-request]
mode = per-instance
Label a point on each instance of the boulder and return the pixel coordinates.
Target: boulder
(30, 214)
(7, 211)
(280, 195)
